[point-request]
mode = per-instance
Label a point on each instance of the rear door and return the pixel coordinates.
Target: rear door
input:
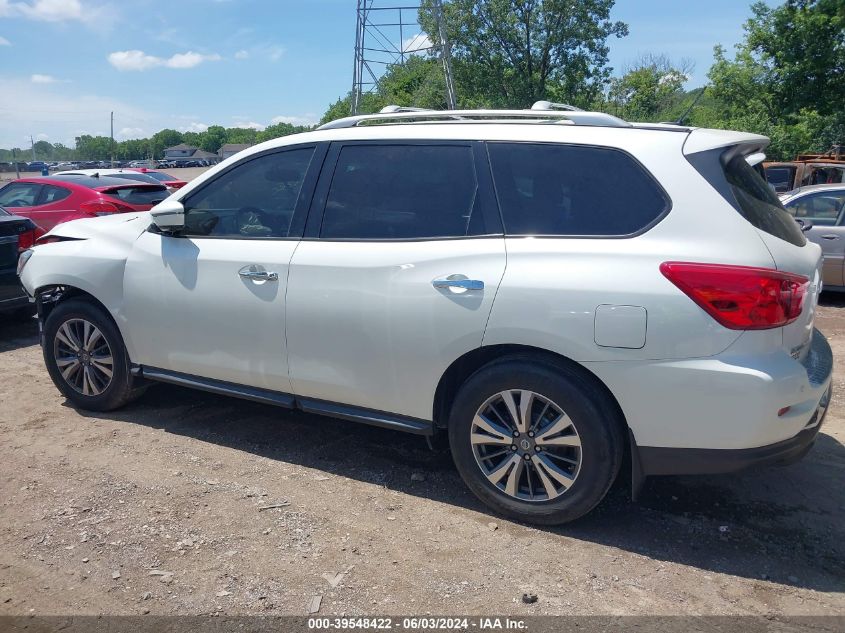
(824, 209)
(396, 275)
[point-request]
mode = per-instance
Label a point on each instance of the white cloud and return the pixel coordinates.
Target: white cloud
(46, 10)
(306, 119)
(417, 43)
(4, 41)
(274, 53)
(42, 136)
(242, 55)
(131, 132)
(194, 126)
(252, 125)
(43, 79)
(139, 60)
(94, 15)
(62, 112)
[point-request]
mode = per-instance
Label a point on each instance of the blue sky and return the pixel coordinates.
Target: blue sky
(187, 64)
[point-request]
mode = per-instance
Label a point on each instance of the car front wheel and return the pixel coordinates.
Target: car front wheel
(536, 442)
(86, 358)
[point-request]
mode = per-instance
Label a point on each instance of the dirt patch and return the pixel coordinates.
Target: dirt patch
(168, 507)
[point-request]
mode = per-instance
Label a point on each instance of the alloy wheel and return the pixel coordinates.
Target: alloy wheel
(526, 445)
(83, 356)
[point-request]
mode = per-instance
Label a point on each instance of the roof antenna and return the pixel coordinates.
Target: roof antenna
(683, 117)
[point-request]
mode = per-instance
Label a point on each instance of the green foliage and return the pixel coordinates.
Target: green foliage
(648, 90)
(510, 53)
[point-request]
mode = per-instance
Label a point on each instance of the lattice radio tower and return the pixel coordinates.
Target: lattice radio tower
(387, 34)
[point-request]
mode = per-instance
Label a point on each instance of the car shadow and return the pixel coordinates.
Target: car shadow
(832, 299)
(778, 524)
(17, 332)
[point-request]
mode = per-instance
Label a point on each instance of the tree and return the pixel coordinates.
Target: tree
(213, 138)
(510, 53)
(800, 47)
(93, 147)
(786, 80)
(648, 89)
(43, 150)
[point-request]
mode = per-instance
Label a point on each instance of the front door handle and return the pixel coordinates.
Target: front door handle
(458, 281)
(257, 273)
(830, 237)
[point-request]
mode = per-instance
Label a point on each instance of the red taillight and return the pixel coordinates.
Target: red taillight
(99, 206)
(741, 297)
(28, 239)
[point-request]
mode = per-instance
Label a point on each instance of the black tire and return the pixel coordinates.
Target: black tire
(592, 413)
(120, 389)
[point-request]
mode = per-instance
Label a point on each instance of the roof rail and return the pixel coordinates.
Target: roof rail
(397, 115)
(551, 105)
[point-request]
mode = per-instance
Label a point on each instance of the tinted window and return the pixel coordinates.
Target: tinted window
(53, 194)
(758, 203)
(19, 194)
(823, 208)
(137, 177)
(142, 194)
(573, 190)
(402, 192)
(256, 198)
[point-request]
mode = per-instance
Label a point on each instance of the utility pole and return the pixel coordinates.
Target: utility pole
(32, 145)
(15, 160)
(111, 145)
(445, 56)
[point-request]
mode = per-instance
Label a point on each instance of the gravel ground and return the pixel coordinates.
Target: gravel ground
(169, 506)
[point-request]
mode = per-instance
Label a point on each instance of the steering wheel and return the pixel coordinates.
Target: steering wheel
(252, 222)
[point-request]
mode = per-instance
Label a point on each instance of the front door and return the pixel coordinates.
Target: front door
(396, 276)
(210, 302)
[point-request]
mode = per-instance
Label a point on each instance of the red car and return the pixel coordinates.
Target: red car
(51, 200)
(166, 179)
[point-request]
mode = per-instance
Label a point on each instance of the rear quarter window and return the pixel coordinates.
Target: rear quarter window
(758, 204)
(571, 190)
(139, 195)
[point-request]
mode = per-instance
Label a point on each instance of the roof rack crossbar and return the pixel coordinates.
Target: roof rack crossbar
(398, 114)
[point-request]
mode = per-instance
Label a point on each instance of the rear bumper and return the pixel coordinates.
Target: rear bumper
(704, 461)
(815, 382)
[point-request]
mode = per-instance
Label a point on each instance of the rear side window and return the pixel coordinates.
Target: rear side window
(53, 194)
(139, 195)
(573, 190)
(759, 204)
(403, 192)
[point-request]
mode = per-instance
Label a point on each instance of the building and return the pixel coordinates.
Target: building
(183, 153)
(230, 149)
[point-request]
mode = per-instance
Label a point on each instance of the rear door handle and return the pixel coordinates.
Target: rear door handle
(458, 281)
(830, 237)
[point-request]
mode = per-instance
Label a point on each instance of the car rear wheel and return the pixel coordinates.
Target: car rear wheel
(86, 358)
(537, 442)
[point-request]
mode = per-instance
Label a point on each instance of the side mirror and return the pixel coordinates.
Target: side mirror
(169, 215)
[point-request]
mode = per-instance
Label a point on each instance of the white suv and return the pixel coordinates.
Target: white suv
(556, 290)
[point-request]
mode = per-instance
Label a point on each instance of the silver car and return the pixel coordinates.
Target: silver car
(823, 206)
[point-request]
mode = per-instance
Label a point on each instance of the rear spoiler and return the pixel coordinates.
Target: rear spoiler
(735, 143)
